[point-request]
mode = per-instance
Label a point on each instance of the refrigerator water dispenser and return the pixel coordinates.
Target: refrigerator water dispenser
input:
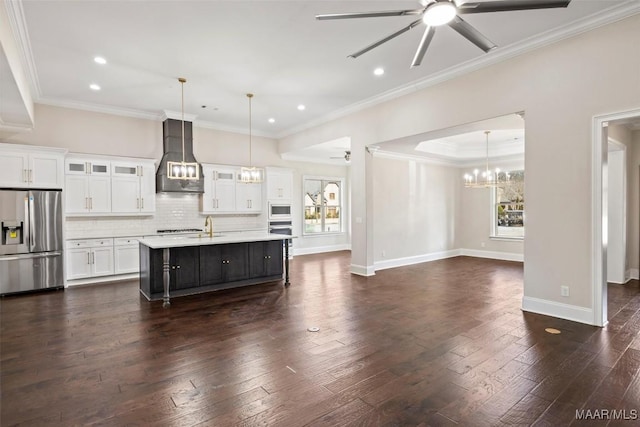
(12, 232)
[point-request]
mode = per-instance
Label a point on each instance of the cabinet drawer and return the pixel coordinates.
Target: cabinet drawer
(89, 243)
(118, 241)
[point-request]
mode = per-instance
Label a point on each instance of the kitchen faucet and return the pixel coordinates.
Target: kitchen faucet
(208, 222)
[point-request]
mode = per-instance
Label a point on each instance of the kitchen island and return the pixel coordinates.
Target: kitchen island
(176, 266)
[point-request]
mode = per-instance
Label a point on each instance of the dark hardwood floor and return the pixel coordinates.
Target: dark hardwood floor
(441, 343)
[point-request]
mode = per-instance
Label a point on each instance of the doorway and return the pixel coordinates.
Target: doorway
(600, 207)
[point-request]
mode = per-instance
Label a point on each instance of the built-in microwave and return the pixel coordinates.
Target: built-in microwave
(279, 211)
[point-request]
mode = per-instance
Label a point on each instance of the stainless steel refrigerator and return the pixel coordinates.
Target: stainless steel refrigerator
(31, 247)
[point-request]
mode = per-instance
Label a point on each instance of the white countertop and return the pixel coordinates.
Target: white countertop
(156, 242)
(101, 234)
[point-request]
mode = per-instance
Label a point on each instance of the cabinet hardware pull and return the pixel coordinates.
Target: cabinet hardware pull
(137, 203)
(88, 258)
(142, 203)
(30, 175)
(24, 175)
(178, 267)
(93, 257)
(173, 267)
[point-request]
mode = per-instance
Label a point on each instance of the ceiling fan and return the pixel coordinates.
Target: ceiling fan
(346, 157)
(440, 12)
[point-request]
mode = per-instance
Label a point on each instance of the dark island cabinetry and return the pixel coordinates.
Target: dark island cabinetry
(197, 269)
(224, 263)
(183, 269)
(266, 258)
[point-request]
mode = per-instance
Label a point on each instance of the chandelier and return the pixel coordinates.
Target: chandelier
(487, 178)
(183, 170)
(251, 174)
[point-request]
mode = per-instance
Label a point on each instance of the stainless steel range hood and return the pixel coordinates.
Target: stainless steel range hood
(172, 143)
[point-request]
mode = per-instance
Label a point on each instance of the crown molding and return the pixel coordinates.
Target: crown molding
(495, 56)
(509, 159)
(15, 127)
(177, 115)
(421, 159)
(18, 23)
(145, 115)
(98, 108)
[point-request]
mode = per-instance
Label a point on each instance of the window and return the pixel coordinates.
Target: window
(508, 207)
(322, 205)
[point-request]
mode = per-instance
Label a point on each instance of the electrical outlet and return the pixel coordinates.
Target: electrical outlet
(384, 254)
(482, 244)
(564, 291)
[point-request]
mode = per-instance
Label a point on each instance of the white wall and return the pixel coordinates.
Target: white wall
(105, 134)
(561, 88)
(616, 214)
(416, 216)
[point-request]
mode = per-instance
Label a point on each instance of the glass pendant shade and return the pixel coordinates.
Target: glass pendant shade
(183, 170)
(251, 174)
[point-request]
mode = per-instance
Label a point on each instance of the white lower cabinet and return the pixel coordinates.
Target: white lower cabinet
(126, 255)
(89, 258)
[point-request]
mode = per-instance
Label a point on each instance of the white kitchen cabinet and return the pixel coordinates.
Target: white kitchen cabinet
(133, 187)
(89, 258)
(248, 197)
(87, 187)
(30, 168)
(126, 255)
(219, 189)
(279, 185)
(225, 193)
(78, 263)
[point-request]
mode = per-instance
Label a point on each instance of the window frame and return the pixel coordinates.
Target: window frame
(340, 198)
(493, 235)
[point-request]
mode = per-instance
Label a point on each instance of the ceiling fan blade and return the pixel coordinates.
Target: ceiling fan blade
(422, 47)
(510, 5)
(386, 39)
(467, 31)
(370, 14)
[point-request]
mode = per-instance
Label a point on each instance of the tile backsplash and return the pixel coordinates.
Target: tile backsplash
(173, 211)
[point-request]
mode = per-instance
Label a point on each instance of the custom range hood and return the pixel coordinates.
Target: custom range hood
(172, 144)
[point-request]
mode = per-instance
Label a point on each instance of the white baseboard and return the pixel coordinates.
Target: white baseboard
(321, 249)
(504, 256)
(416, 259)
(632, 274)
(557, 309)
(102, 279)
(362, 270)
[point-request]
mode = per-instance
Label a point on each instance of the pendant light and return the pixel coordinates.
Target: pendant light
(183, 170)
(488, 178)
(251, 174)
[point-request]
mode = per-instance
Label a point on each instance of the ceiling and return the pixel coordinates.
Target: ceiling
(274, 49)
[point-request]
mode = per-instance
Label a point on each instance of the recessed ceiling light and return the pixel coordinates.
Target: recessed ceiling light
(100, 60)
(272, 120)
(94, 86)
(378, 71)
(301, 107)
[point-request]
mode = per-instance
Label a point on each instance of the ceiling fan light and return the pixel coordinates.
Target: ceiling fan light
(439, 13)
